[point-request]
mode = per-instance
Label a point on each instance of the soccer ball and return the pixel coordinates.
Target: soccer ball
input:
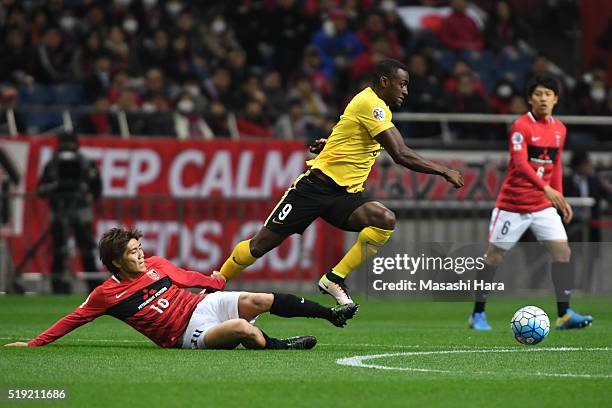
(530, 325)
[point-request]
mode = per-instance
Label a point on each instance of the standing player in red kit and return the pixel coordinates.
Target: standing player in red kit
(148, 295)
(532, 197)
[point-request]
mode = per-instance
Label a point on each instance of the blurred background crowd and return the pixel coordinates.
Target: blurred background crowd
(285, 68)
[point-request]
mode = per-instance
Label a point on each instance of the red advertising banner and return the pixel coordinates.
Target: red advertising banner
(193, 200)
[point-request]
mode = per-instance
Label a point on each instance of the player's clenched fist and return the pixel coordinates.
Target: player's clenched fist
(317, 146)
(454, 177)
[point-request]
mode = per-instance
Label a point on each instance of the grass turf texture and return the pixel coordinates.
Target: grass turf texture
(106, 363)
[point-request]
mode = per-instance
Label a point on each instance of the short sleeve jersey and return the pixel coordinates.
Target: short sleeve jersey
(351, 149)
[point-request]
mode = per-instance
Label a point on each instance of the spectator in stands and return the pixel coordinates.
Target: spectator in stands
(91, 50)
(180, 64)
(155, 118)
(592, 90)
(374, 29)
(461, 68)
(155, 85)
(467, 99)
(458, 31)
(252, 121)
(426, 95)
(365, 62)
(518, 106)
(16, 58)
(219, 38)
(186, 27)
(250, 88)
(288, 33)
(55, 61)
(593, 100)
(582, 181)
(504, 29)
(37, 25)
(312, 104)
(9, 100)
(94, 18)
(99, 121)
(275, 94)
(338, 46)
(118, 47)
(313, 69)
(219, 88)
(98, 82)
(156, 49)
(216, 117)
(292, 125)
(237, 65)
(188, 121)
(503, 92)
(394, 23)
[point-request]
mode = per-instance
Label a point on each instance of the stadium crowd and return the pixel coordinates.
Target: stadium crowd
(271, 68)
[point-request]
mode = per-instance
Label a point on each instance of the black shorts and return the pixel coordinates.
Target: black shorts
(310, 197)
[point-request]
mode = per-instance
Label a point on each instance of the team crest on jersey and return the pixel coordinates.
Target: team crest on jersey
(153, 275)
(379, 113)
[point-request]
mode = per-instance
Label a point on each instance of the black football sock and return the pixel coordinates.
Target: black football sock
(273, 343)
(563, 281)
(480, 296)
(286, 305)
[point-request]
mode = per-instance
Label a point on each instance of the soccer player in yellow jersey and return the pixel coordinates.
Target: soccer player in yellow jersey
(332, 186)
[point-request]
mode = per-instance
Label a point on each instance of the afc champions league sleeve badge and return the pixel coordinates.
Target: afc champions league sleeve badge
(558, 138)
(517, 141)
(379, 114)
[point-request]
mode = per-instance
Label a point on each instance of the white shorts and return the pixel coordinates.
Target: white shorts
(216, 308)
(506, 228)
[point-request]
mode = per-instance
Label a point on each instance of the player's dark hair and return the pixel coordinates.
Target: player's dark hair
(113, 244)
(387, 67)
(544, 81)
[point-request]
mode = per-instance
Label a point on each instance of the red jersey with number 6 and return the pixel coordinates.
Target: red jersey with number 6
(536, 146)
(154, 303)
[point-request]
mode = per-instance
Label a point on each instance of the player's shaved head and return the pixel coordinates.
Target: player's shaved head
(387, 68)
(113, 244)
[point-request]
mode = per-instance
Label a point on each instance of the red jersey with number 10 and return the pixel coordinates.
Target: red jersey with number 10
(536, 146)
(154, 303)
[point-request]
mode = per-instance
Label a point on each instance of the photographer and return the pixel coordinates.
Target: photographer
(71, 183)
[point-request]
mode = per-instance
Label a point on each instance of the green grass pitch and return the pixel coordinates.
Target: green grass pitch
(429, 358)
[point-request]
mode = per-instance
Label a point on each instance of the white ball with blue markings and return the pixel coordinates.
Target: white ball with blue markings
(530, 325)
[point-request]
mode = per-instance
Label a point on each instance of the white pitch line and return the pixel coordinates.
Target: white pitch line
(359, 361)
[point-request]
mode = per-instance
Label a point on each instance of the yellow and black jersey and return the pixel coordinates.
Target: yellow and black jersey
(351, 149)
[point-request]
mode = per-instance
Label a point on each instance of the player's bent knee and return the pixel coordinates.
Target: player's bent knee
(388, 220)
(383, 218)
(259, 302)
(241, 329)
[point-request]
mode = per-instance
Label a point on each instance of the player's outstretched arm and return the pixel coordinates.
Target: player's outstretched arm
(392, 141)
(17, 344)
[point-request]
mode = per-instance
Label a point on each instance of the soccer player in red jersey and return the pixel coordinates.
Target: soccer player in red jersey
(149, 295)
(532, 197)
